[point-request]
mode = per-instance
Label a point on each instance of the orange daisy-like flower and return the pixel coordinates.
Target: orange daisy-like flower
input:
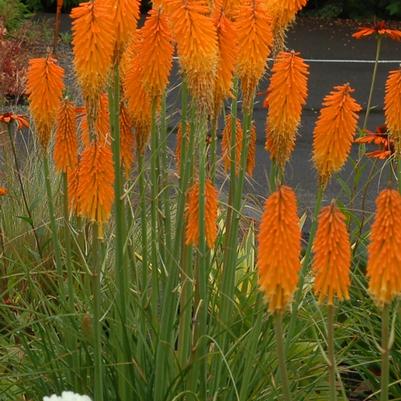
(255, 40)
(384, 262)
(156, 53)
(178, 145)
(378, 29)
(279, 249)
(93, 45)
(228, 50)
(196, 39)
(66, 143)
(334, 131)
(382, 140)
(20, 120)
(95, 191)
(126, 14)
(192, 213)
(45, 87)
(332, 256)
(3, 191)
(226, 143)
(392, 106)
(286, 96)
(127, 140)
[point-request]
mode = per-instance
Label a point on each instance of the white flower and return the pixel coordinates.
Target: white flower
(67, 396)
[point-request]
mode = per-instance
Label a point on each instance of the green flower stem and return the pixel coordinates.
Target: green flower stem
(123, 353)
(282, 364)
(22, 189)
(305, 265)
(385, 357)
(53, 227)
(331, 352)
(373, 82)
(97, 325)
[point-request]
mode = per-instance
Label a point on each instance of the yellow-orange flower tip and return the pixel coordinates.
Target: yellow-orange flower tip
(45, 87)
(284, 12)
(66, 142)
(251, 160)
(286, 95)
(127, 140)
(126, 14)
(196, 38)
(93, 46)
(332, 256)
(228, 51)
(384, 261)
(95, 191)
(156, 53)
(334, 131)
(392, 106)
(255, 40)
(192, 214)
(279, 249)
(226, 143)
(3, 191)
(178, 145)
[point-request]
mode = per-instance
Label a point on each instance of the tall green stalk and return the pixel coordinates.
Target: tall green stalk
(121, 335)
(53, 225)
(331, 352)
(282, 363)
(385, 350)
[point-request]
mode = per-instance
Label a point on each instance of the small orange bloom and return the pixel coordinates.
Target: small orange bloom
(334, 131)
(226, 144)
(332, 256)
(127, 140)
(192, 213)
(286, 96)
(279, 249)
(255, 40)
(45, 87)
(392, 106)
(3, 191)
(96, 183)
(384, 262)
(8, 118)
(378, 29)
(196, 38)
(66, 143)
(93, 45)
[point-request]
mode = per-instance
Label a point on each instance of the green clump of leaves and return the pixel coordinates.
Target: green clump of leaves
(13, 13)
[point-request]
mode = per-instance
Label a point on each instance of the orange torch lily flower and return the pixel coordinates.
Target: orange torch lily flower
(126, 14)
(334, 131)
(279, 249)
(255, 40)
(332, 256)
(45, 87)
(392, 106)
(3, 191)
(286, 96)
(384, 262)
